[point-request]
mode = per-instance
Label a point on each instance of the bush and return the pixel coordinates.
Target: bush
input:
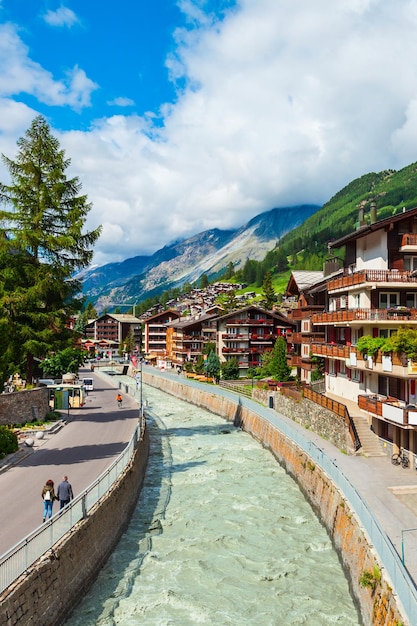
(8, 441)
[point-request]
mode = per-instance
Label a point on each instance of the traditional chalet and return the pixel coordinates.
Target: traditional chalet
(374, 294)
(247, 333)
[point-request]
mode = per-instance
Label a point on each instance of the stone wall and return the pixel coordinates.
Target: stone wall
(22, 406)
(378, 607)
(53, 586)
(310, 415)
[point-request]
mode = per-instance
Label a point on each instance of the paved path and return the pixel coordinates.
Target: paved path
(93, 437)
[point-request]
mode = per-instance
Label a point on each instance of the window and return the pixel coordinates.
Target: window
(343, 302)
(342, 368)
(306, 326)
(332, 367)
(410, 263)
(355, 375)
(411, 300)
(387, 332)
(388, 299)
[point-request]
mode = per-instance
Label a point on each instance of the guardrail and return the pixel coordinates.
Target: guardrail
(23, 555)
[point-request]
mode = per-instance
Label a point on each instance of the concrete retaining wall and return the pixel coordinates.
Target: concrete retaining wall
(50, 590)
(16, 407)
(377, 606)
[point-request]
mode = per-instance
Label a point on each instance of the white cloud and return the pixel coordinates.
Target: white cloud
(121, 102)
(19, 74)
(61, 17)
(284, 102)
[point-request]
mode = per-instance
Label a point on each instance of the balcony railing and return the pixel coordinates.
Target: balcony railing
(409, 240)
(342, 351)
(389, 409)
(370, 276)
(366, 315)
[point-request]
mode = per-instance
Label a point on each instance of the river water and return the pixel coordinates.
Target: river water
(220, 536)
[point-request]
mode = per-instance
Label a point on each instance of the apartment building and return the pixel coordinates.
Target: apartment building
(247, 333)
(373, 294)
(109, 331)
(157, 342)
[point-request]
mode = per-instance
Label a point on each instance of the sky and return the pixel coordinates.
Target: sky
(184, 115)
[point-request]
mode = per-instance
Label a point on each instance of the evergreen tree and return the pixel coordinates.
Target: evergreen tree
(129, 342)
(42, 244)
(229, 271)
(230, 369)
(213, 365)
(204, 281)
(268, 291)
(279, 367)
(91, 311)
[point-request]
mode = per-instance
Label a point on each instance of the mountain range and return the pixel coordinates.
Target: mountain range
(303, 233)
(209, 252)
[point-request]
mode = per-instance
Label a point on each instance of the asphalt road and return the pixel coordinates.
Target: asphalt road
(92, 438)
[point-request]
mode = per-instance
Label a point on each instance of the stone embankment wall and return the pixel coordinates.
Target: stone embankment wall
(310, 415)
(21, 406)
(378, 606)
(52, 587)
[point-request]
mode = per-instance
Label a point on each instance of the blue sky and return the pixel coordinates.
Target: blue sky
(184, 115)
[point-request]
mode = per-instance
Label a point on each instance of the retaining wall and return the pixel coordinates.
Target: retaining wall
(52, 587)
(21, 406)
(377, 606)
(311, 416)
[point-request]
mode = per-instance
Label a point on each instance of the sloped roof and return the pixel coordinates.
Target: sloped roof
(306, 279)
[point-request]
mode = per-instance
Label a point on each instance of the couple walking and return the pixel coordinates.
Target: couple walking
(63, 494)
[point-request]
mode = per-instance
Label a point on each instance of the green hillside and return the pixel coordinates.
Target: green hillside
(306, 246)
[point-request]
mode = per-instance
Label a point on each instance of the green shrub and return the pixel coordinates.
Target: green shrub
(8, 441)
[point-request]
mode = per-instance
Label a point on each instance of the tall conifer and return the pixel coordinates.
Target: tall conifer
(42, 244)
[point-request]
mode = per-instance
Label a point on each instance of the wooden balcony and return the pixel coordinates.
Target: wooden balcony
(382, 277)
(409, 243)
(365, 315)
(294, 360)
(389, 409)
(299, 338)
(336, 351)
(234, 337)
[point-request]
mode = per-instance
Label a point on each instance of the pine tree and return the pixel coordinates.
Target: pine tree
(268, 291)
(279, 367)
(42, 244)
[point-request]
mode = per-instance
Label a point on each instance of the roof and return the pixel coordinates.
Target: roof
(252, 307)
(369, 228)
(306, 279)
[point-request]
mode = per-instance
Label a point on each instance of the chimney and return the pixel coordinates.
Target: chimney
(361, 219)
(373, 212)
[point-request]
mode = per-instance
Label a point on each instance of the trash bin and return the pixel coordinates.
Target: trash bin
(120, 385)
(271, 402)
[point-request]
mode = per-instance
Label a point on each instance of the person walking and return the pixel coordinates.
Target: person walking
(48, 497)
(119, 400)
(64, 492)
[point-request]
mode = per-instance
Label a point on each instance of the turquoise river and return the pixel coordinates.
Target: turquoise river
(220, 536)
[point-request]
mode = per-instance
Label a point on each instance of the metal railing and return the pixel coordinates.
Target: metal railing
(23, 555)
